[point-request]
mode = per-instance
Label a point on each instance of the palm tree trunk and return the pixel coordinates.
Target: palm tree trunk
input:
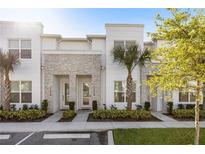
(7, 92)
(197, 126)
(129, 91)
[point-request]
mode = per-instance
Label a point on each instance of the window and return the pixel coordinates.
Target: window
(118, 44)
(123, 43)
(129, 43)
(120, 91)
(22, 48)
(186, 97)
(21, 91)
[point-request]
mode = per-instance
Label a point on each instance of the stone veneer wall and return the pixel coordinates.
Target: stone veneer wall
(72, 65)
(1, 88)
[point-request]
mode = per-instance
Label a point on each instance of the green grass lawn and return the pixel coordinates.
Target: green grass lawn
(157, 136)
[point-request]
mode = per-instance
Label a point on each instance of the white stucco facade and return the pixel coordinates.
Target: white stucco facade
(78, 69)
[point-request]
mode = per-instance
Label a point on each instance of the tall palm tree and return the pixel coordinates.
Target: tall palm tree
(8, 60)
(130, 57)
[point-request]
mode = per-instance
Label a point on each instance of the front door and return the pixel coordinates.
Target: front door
(64, 93)
(85, 94)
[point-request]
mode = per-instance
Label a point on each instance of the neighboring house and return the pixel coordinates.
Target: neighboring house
(75, 69)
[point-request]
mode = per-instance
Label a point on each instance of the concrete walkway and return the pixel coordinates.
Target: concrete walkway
(80, 124)
(54, 118)
(163, 117)
(82, 116)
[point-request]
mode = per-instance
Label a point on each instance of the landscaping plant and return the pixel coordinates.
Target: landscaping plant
(129, 57)
(68, 114)
(169, 108)
(181, 59)
(122, 114)
(8, 60)
(147, 106)
(22, 114)
(95, 105)
(44, 105)
(72, 105)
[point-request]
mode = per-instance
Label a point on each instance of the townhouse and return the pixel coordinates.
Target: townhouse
(76, 69)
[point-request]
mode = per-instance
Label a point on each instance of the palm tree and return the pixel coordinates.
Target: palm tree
(130, 57)
(8, 60)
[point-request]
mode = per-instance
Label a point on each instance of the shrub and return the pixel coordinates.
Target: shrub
(201, 106)
(190, 106)
(170, 107)
(95, 105)
(180, 106)
(44, 105)
(138, 107)
(25, 107)
(68, 114)
(13, 107)
(147, 106)
(22, 114)
(122, 114)
(36, 107)
(187, 113)
(72, 105)
(113, 107)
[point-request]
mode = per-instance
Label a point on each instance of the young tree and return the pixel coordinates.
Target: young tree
(130, 57)
(7, 62)
(181, 61)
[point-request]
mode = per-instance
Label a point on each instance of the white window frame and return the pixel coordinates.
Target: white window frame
(124, 41)
(125, 91)
(19, 47)
(189, 93)
(20, 92)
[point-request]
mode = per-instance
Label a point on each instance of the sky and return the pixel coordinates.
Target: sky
(80, 22)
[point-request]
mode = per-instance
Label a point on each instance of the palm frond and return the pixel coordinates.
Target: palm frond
(130, 56)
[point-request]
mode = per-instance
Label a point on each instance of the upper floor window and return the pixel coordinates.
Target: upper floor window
(120, 91)
(186, 96)
(123, 43)
(22, 48)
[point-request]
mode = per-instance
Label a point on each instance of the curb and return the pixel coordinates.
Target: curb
(110, 138)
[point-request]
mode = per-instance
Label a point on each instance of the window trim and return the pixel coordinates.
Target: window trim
(20, 92)
(125, 91)
(19, 45)
(189, 93)
(124, 42)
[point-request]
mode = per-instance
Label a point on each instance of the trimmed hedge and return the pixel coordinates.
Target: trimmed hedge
(68, 114)
(22, 114)
(187, 113)
(170, 107)
(122, 114)
(95, 105)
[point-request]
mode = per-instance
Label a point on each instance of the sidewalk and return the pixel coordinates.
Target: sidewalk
(163, 117)
(80, 124)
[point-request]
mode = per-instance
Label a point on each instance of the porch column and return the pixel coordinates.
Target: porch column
(96, 89)
(72, 88)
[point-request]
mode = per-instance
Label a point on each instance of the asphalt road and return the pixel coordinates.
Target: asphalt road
(36, 138)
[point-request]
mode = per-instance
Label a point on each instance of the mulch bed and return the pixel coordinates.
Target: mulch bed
(182, 119)
(66, 120)
(91, 119)
(35, 120)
